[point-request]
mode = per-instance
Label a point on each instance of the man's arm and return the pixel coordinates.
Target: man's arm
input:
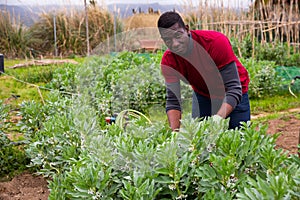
(173, 105)
(233, 89)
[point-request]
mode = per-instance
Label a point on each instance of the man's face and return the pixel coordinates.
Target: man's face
(176, 38)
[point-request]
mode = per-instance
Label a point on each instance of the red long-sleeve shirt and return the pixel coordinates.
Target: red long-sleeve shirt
(211, 51)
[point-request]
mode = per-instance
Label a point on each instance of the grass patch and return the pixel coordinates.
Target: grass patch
(35, 74)
(14, 92)
(11, 62)
(20, 84)
(157, 114)
(274, 104)
(272, 116)
(14, 89)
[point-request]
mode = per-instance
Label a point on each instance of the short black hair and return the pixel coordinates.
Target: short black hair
(168, 19)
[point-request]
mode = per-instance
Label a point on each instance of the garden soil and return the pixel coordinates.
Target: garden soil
(26, 186)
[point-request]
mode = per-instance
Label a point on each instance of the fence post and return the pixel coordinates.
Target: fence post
(1, 63)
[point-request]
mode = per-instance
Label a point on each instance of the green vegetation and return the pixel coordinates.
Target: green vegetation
(14, 92)
(274, 104)
(12, 158)
(52, 118)
(34, 74)
(63, 135)
(11, 62)
(262, 40)
(14, 39)
(61, 131)
(268, 89)
(149, 161)
(28, 83)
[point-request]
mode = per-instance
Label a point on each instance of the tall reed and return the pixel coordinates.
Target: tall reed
(14, 37)
(264, 21)
(70, 30)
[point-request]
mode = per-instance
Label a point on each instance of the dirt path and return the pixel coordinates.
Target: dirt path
(24, 187)
(289, 127)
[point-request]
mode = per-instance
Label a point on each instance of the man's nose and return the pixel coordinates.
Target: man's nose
(175, 43)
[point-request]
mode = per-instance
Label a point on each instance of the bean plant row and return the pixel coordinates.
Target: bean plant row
(67, 141)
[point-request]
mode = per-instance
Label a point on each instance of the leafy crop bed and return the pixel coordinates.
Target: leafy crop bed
(32, 187)
(67, 141)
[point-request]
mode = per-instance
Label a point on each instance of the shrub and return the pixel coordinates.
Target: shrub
(264, 79)
(293, 60)
(271, 52)
(129, 80)
(242, 49)
(63, 79)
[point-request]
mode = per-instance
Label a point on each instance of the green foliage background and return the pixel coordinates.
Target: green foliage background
(69, 142)
(67, 139)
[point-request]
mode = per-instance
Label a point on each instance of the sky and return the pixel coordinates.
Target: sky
(81, 1)
(232, 3)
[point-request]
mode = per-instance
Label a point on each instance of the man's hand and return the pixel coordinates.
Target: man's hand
(225, 110)
(216, 118)
(174, 117)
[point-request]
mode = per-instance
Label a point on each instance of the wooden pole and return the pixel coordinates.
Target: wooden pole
(54, 32)
(87, 29)
(1, 64)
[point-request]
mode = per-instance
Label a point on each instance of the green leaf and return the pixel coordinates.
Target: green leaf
(164, 180)
(250, 194)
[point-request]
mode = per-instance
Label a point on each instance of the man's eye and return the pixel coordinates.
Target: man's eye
(178, 35)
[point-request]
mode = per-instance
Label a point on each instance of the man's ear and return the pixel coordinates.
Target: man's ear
(187, 28)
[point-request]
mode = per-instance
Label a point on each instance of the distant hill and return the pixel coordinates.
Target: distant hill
(28, 14)
(25, 14)
(126, 10)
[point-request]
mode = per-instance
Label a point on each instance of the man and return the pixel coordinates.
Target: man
(205, 60)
